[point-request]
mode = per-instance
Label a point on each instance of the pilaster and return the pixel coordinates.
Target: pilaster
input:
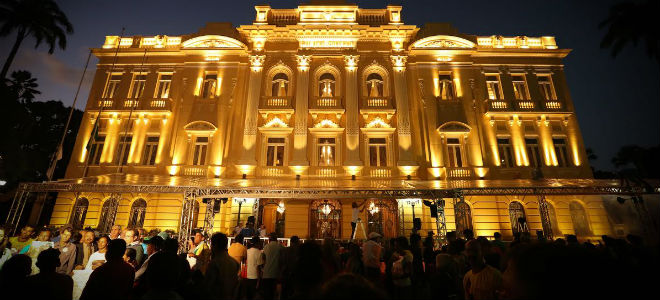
(403, 112)
(248, 156)
(352, 114)
(301, 114)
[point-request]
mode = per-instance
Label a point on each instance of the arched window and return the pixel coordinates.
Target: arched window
(79, 213)
(280, 86)
(553, 219)
(382, 217)
(446, 87)
(327, 85)
(325, 219)
(518, 218)
(375, 85)
(108, 214)
(579, 218)
(138, 210)
(463, 217)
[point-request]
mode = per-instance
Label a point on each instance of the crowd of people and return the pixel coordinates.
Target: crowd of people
(135, 264)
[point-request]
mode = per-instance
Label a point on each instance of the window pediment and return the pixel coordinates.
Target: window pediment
(200, 126)
(213, 41)
(442, 42)
(454, 127)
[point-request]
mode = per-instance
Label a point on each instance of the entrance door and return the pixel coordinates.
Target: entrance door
(325, 219)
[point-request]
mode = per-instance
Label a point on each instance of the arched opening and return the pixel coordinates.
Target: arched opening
(518, 217)
(280, 85)
(272, 216)
(446, 87)
(138, 210)
(79, 213)
(325, 219)
(108, 215)
(375, 85)
(579, 218)
(463, 215)
(327, 85)
(553, 219)
(382, 217)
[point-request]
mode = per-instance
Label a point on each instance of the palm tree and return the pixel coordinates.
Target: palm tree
(23, 86)
(630, 22)
(41, 19)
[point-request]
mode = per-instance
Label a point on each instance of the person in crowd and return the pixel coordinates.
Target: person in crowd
(402, 269)
(221, 280)
(331, 261)
(491, 256)
(154, 245)
(115, 232)
(429, 253)
(112, 280)
(444, 282)
(262, 231)
(5, 251)
(162, 274)
(307, 272)
(23, 239)
(237, 250)
(272, 267)
(48, 283)
(98, 258)
(143, 235)
(289, 258)
(43, 235)
(482, 281)
(418, 276)
(371, 256)
(198, 244)
(500, 247)
(355, 215)
(13, 276)
(354, 262)
(182, 283)
(129, 258)
(85, 249)
(248, 230)
(468, 234)
(67, 251)
(131, 236)
(350, 286)
(254, 263)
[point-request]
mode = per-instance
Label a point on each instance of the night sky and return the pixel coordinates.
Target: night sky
(617, 100)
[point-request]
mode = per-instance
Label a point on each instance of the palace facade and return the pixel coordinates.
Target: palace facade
(325, 105)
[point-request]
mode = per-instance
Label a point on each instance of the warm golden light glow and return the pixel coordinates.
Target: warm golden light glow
(276, 122)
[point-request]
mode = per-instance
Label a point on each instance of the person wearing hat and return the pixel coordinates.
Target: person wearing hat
(371, 256)
(154, 244)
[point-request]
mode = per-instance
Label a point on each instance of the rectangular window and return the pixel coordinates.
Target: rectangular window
(446, 87)
(201, 146)
(505, 152)
(125, 148)
(209, 85)
(137, 86)
(112, 86)
(326, 150)
(96, 150)
(275, 152)
(378, 152)
(494, 87)
(455, 153)
(561, 152)
(163, 89)
(150, 150)
(534, 152)
(546, 88)
(520, 87)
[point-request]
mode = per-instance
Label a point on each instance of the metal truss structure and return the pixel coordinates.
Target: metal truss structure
(192, 192)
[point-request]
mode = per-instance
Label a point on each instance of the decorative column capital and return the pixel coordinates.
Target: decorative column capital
(351, 62)
(399, 62)
(303, 62)
(257, 62)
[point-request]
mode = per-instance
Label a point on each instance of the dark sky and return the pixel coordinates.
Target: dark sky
(617, 100)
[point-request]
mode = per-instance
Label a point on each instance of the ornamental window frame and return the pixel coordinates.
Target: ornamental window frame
(520, 87)
(379, 70)
(138, 84)
(163, 85)
(494, 86)
(112, 82)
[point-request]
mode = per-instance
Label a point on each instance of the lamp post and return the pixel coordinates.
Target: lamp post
(240, 202)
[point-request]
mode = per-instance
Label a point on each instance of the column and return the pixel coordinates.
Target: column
(352, 114)
(300, 127)
(248, 156)
(545, 141)
(402, 113)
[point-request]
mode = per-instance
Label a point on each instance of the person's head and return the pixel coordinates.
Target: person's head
(26, 232)
(451, 236)
(468, 234)
(497, 236)
(445, 263)
(131, 235)
(571, 239)
(199, 237)
(129, 255)
(218, 242)
(374, 236)
(162, 271)
(171, 246)
(116, 249)
(154, 244)
(16, 268)
(44, 235)
(350, 286)
(401, 243)
(354, 204)
(3, 235)
(65, 234)
(102, 243)
(473, 253)
(239, 238)
(295, 240)
(142, 233)
(272, 237)
(255, 242)
(48, 260)
(115, 231)
(88, 237)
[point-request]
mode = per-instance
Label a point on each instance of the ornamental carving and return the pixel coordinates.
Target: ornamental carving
(442, 41)
(399, 62)
(351, 61)
(257, 61)
(213, 41)
(303, 61)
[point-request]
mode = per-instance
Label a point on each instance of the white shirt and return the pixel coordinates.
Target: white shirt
(95, 256)
(253, 261)
(355, 215)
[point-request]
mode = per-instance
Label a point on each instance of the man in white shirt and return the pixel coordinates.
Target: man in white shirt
(115, 232)
(355, 215)
(254, 262)
(371, 254)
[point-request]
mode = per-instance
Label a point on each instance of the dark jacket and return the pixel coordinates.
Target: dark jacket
(112, 280)
(80, 253)
(221, 281)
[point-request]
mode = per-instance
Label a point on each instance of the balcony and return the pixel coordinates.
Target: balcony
(501, 105)
(327, 102)
(377, 103)
(552, 105)
(496, 104)
(105, 103)
(194, 171)
(270, 102)
(459, 172)
(135, 104)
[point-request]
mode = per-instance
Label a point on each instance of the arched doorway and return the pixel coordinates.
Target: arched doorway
(579, 219)
(138, 211)
(325, 219)
(463, 217)
(108, 215)
(382, 217)
(79, 213)
(272, 215)
(518, 217)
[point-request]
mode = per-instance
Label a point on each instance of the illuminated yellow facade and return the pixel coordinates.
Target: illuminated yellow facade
(332, 92)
